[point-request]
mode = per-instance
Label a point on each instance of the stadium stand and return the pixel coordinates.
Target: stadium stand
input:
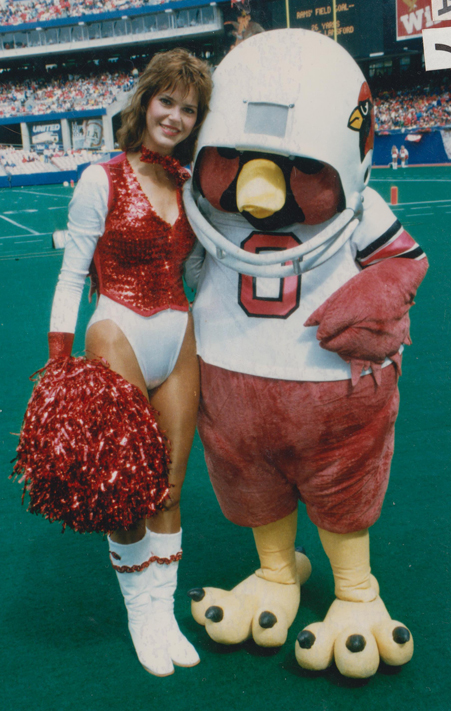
(421, 107)
(104, 25)
(16, 12)
(17, 162)
(62, 93)
(67, 67)
(76, 158)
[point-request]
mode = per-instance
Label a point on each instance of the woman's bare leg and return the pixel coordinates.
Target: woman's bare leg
(157, 649)
(105, 339)
(177, 400)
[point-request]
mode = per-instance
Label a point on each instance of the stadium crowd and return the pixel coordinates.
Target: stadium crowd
(52, 160)
(62, 93)
(413, 109)
(16, 12)
(409, 109)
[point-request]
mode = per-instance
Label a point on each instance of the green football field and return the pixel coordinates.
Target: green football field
(64, 639)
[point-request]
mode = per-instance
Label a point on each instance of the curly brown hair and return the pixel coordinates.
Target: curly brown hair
(165, 72)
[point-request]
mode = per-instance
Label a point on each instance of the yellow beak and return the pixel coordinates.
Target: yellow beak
(261, 188)
(356, 120)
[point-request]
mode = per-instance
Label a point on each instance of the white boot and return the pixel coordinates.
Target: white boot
(132, 566)
(166, 548)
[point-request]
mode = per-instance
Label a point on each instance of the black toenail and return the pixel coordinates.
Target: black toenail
(300, 549)
(196, 594)
(401, 635)
(214, 613)
(306, 639)
(356, 643)
(267, 620)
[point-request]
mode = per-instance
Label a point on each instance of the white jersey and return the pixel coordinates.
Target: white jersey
(256, 325)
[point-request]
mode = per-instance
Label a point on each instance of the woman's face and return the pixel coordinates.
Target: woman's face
(170, 117)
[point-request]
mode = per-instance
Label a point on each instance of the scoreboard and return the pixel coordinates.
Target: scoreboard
(359, 22)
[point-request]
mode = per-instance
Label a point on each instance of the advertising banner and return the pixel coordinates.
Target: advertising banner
(437, 48)
(87, 133)
(446, 138)
(441, 10)
(46, 134)
(414, 16)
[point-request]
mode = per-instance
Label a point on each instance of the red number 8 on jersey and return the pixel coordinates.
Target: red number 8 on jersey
(282, 301)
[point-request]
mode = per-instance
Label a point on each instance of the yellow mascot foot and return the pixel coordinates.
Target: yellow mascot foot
(255, 608)
(357, 635)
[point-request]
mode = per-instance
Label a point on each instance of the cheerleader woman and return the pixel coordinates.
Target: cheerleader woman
(128, 229)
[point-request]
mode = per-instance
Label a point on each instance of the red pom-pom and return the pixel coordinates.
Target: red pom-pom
(91, 453)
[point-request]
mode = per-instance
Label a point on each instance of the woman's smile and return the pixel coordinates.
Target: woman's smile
(170, 130)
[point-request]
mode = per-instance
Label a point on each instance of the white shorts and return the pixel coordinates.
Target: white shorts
(156, 340)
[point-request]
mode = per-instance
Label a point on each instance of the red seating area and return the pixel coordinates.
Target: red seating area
(418, 108)
(15, 12)
(62, 93)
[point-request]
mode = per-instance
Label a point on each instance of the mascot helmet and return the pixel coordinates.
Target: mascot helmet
(291, 94)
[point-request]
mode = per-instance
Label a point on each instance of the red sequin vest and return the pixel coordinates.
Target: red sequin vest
(139, 259)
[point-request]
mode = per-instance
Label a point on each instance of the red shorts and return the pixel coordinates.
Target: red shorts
(269, 443)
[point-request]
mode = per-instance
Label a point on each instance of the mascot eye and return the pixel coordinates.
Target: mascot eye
(229, 153)
(364, 108)
(215, 172)
(308, 165)
(319, 195)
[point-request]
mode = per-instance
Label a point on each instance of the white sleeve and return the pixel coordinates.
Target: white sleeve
(87, 213)
(380, 235)
(377, 220)
(193, 265)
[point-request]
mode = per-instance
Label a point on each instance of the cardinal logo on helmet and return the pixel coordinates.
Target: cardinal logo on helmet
(362, 120)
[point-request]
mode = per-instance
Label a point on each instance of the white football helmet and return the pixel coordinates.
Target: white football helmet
(290, 93)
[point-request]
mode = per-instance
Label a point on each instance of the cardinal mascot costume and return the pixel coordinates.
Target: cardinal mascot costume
(302, 314)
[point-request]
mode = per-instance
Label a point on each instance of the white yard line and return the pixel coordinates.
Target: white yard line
(34, 192)
(422, 204)
(38, 234)
(17, 224)
(419, 214)
(420, 207)
(17, 212)
(410, 180)
(28, 241)
(18, 255)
